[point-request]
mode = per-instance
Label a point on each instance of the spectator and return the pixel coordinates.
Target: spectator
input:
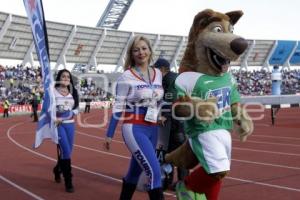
(34, 105)
(87, 100)
(6, 105)
(176, 131)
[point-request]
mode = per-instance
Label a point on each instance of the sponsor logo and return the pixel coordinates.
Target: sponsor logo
(140, 157)
(155, 86)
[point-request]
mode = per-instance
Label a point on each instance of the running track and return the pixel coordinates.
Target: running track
(266, 167)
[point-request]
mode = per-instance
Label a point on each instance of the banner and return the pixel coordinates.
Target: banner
(46, 125)
(19, 109)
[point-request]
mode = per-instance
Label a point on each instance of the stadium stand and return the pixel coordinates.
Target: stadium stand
(89, 47)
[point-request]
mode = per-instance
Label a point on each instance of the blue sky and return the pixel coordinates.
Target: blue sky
(263, 19)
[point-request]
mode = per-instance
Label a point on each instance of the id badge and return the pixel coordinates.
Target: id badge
(151, 115)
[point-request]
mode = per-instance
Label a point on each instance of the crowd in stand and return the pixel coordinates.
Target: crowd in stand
(258, 82)
(19, 83)
(88, 90)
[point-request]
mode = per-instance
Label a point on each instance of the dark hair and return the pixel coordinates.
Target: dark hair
(73, 90)
(161, 62)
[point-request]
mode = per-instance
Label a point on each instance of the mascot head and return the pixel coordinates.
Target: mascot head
(211, 43)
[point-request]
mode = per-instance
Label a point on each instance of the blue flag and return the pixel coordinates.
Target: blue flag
(46, 125)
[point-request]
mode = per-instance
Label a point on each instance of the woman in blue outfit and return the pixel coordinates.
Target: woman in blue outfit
(138, 93)
(67, 103)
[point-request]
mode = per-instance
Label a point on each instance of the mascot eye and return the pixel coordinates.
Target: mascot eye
(217, 29)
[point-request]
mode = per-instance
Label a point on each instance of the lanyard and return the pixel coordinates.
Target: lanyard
(142, 76)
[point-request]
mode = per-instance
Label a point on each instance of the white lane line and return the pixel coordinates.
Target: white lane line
(20, 188)
(98, 137)
(264, 184)
(238, 148)
(49, 158)
(254, 135)
(271, 143)
(103, 152)
(118, 180)
(248, 141)
(274, 136)
(264, 151)
(237, 179)
(237, 160)
(266, 164)
(54, 160)
(252, 141)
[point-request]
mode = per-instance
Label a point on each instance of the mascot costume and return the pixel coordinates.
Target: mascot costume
(208, 102)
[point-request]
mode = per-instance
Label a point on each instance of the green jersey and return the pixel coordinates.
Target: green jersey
(223, 88)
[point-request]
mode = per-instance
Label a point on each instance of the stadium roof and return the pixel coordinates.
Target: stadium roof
(99, 46)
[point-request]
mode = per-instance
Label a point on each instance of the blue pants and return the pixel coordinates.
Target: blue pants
(141, 141)
(66, 133)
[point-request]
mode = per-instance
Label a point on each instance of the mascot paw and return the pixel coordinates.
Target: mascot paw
(182, 157)
(205, 110)
(244, 126)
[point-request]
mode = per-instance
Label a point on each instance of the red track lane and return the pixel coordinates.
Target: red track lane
(266, 167)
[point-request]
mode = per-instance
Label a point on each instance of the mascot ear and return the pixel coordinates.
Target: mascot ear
(234, 16)
(200, 22)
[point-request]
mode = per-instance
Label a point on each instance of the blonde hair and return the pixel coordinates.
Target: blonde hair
(129, 61)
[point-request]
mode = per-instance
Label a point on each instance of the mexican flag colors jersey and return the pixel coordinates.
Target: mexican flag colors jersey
(203, 86)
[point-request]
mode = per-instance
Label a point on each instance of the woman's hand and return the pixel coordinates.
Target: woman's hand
(106, 143)
(58, 121)
(162, 120)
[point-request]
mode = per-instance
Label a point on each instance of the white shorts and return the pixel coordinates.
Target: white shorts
(213, 150)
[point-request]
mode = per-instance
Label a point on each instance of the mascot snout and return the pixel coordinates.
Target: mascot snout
(239, 45)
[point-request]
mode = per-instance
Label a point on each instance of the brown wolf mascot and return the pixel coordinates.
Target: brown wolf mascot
(208, 101)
